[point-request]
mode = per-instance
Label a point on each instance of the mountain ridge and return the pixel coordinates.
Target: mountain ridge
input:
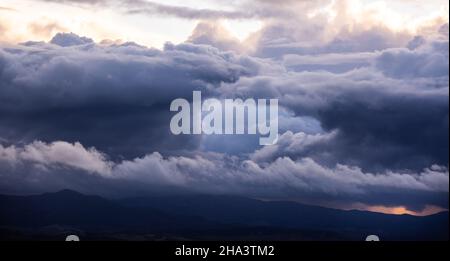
(211, 217)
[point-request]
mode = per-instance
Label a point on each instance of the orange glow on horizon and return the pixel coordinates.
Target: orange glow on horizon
(400, 210)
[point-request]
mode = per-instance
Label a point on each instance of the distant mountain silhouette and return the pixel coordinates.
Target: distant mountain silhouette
(353, 224)
(203, 217)
(70, 208)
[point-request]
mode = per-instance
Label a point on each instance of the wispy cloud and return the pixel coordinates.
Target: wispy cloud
(144, 7)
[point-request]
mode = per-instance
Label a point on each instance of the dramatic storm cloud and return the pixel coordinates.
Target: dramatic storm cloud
(387, 114)
(364, 102)
(113, 97)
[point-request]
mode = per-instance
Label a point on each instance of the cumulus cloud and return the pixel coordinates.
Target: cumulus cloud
(293, 145)
(427, 60)
(393, 112)
(70, 39)
(114, 97)
(57, 154)
(284, 178)
(214, 34)
(314, 31)
(328, 27)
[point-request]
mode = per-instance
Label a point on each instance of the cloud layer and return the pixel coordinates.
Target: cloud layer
(75, 90)
(284, 178)
(364, 115)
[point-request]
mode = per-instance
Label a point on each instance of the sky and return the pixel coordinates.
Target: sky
(155, 24)
(362, 85)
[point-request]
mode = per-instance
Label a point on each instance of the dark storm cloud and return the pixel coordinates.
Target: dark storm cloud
(113, 97)
(391, 115)
(382, 111)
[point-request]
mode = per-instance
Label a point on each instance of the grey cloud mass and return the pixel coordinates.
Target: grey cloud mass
(75, 90)
(391, 112)
(364, 111)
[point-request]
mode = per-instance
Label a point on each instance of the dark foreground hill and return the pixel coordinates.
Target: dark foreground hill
(200, 217)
